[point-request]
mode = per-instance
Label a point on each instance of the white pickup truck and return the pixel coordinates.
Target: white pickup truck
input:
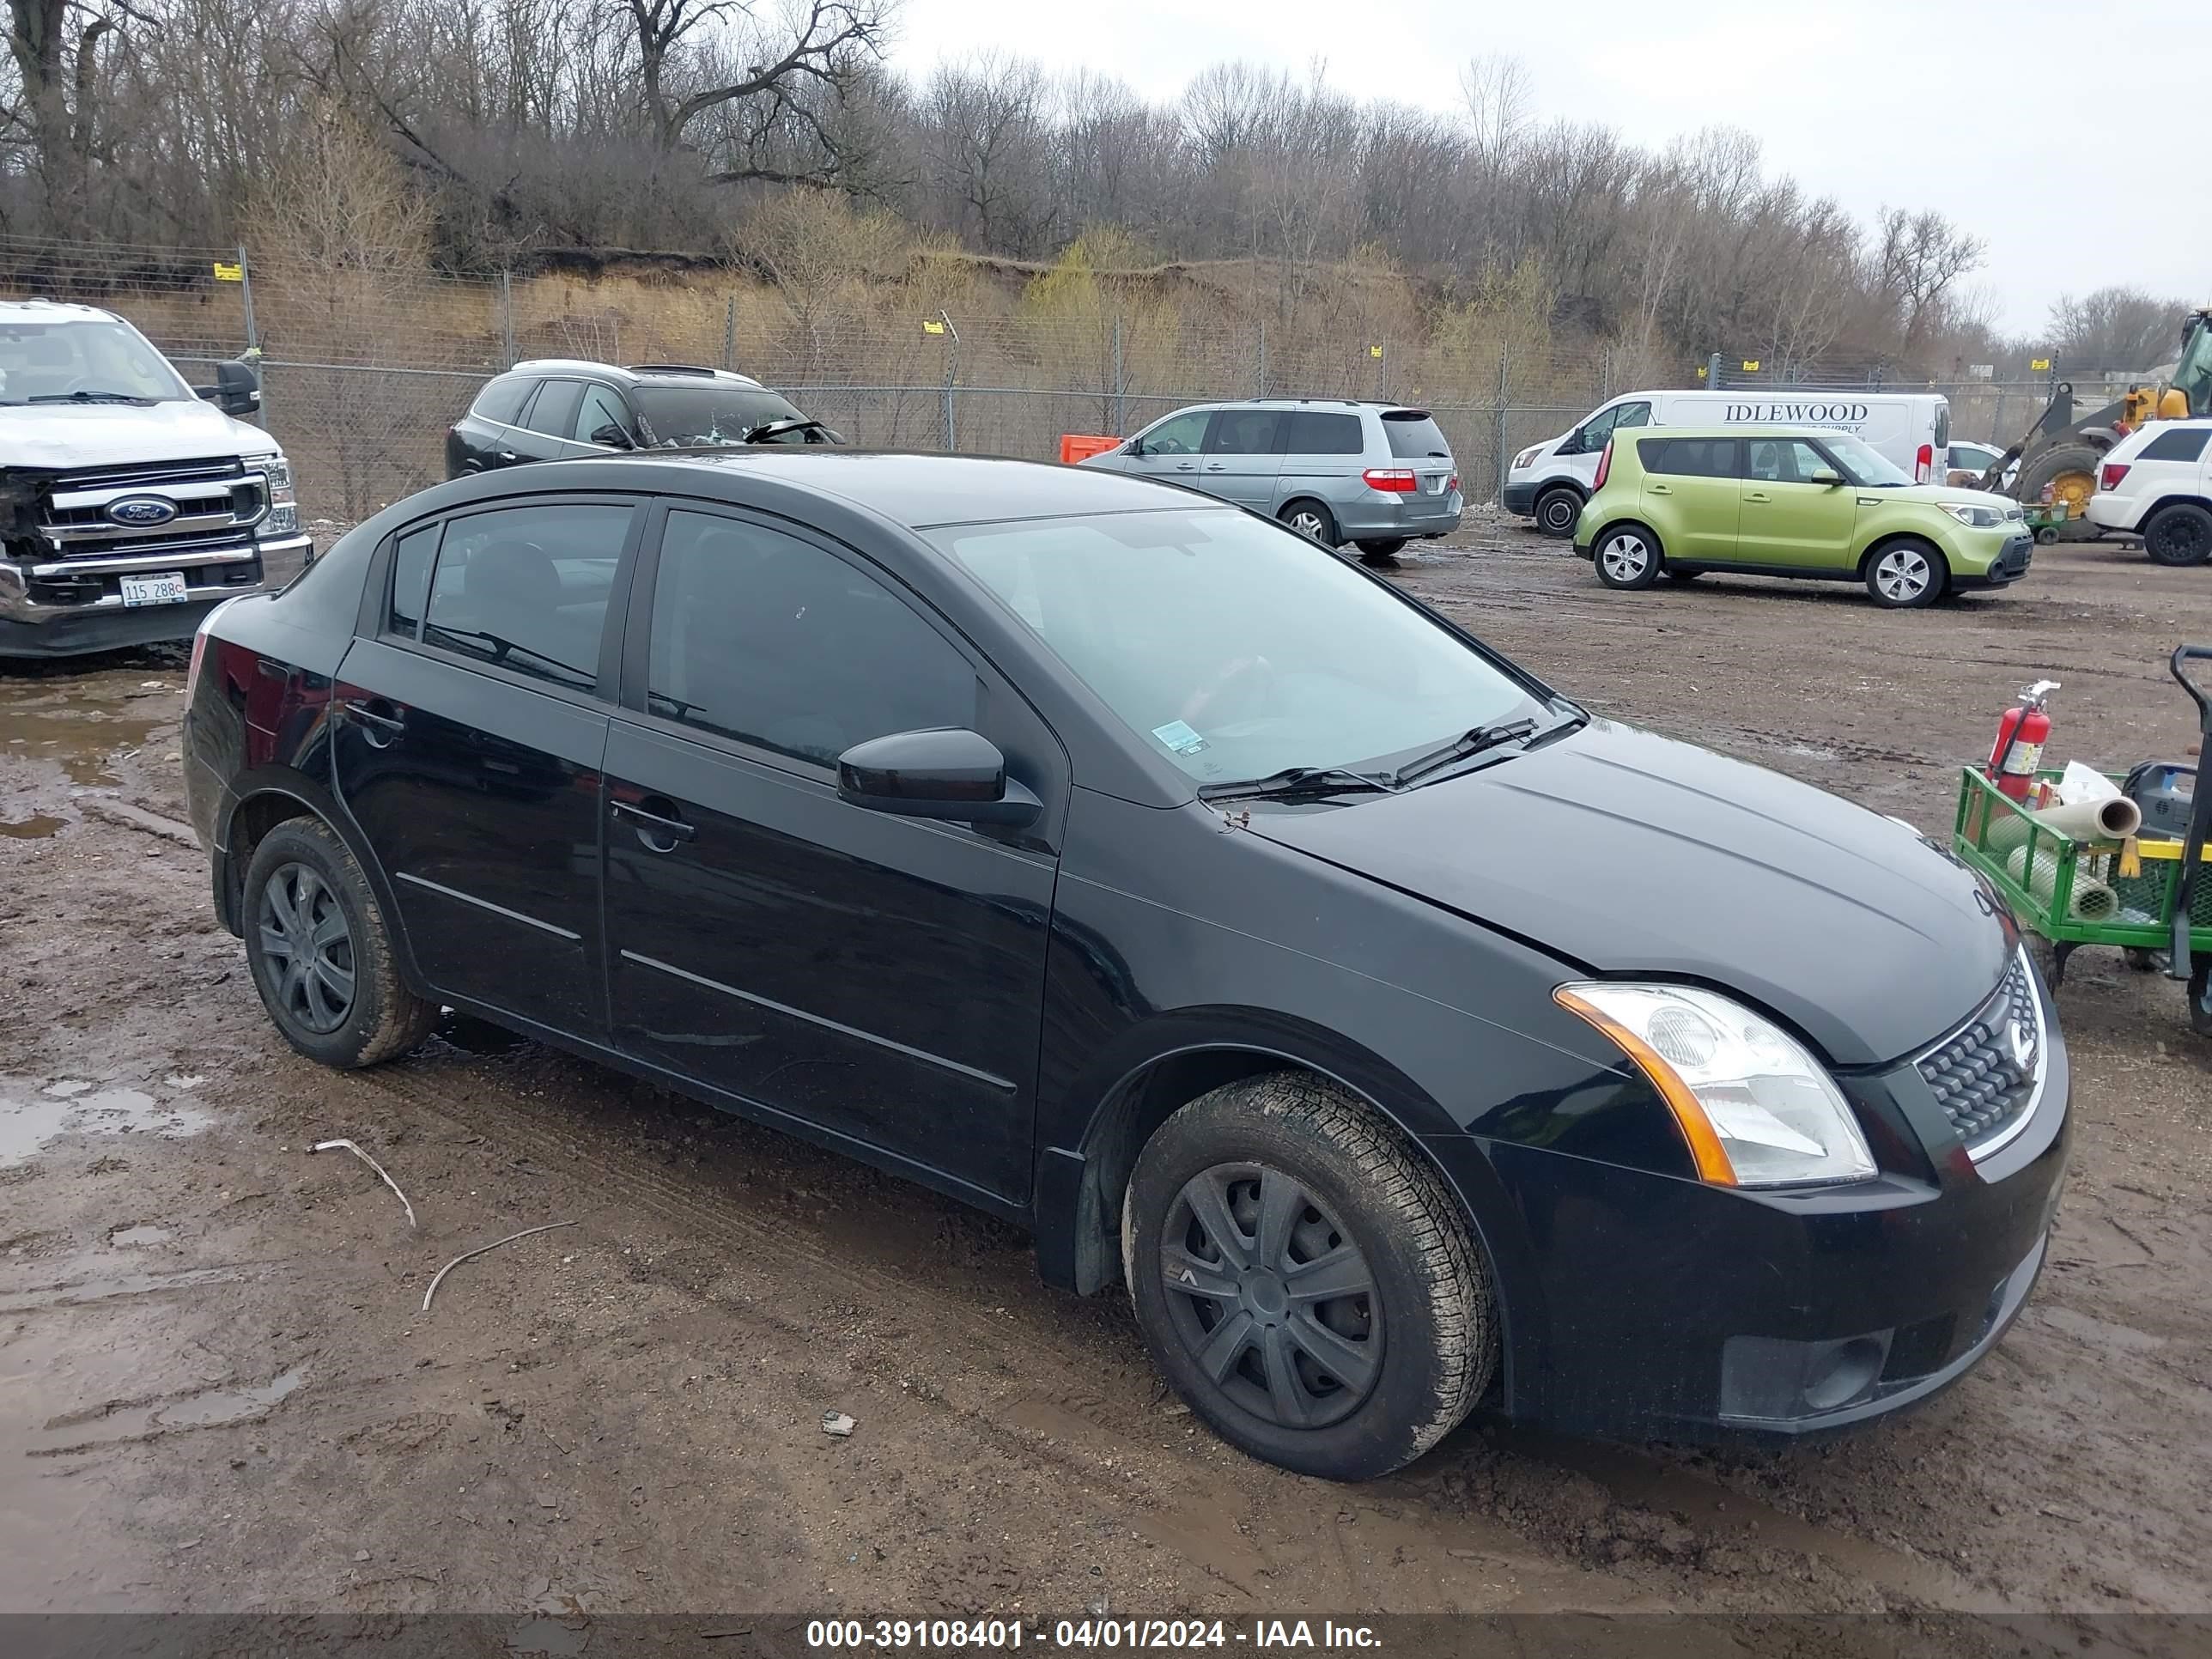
(131, 503)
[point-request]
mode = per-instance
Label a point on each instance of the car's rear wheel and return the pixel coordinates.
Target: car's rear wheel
(1627, 555)
(1304, 1280)
(1380, 547)
(1907, 574)
(2179, 535)
(1556, 511)
(1310, 518)
(321, 954)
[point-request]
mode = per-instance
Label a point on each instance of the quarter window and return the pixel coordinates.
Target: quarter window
(411, 578)
(2185, 444)
(502, 400)
(1244, 432)
(1689, 458)
(761, 637)
(1312, 433)
(526, 588)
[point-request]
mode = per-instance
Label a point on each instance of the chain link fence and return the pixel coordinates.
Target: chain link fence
(365, 363)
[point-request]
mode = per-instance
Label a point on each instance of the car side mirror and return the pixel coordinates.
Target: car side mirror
(236, 390)
(947, 772)
(1134, 447)
(612, 437)
(1825, 475)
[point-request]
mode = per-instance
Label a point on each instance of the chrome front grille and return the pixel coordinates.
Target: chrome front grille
(88, 514)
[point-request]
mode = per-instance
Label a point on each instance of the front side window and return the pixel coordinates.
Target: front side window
(1179, 434)
(1244, 432)
(600, 410)
(1600, 426)
(1861, 462)
(1783, 461)
(1314, 433)
(91, 360)
(1233, 647)
(526, 588)
(761, 637)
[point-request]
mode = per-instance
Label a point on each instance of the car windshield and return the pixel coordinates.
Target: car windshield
(89, 360)
(1237, 649)
(677, 415)
(1863, 465)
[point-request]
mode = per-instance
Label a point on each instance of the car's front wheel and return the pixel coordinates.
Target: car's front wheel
(1304, 1280)
(1906, 575)
(1556, 511)
(321, 953)
(1627, 555)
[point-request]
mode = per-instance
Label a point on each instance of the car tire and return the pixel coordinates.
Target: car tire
(2179, 535)
(2069, 470)
(1556, 510)
(1627, 555)
(1418, 1339)
(1676, 574)
(1906, 574)
(321, 953)
(1309, 518)
(1380, 547)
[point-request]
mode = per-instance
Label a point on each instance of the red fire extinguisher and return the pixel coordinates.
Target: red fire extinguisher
(2021, 736)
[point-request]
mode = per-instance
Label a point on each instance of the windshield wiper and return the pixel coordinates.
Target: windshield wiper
(1303, 780)
(1464, 746)
(88, 398)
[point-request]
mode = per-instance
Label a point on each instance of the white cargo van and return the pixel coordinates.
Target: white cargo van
(1549, 481)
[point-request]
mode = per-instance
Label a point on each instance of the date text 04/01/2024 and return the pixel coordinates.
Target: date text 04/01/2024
(1138, 1634)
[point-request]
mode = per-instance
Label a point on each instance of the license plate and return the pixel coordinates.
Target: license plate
(1434, 482)
(162, 588)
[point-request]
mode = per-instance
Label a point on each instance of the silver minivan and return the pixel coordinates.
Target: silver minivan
(1375, 475)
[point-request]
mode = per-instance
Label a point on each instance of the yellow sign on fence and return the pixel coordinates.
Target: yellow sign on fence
(930, 325)
(1375, 351)
(224, 273)
(1751, 365)
(2039, 365)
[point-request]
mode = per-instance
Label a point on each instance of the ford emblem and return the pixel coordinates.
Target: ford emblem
(142, 512)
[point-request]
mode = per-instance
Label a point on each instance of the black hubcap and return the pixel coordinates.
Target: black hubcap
(1271, 1296)
(306, 949)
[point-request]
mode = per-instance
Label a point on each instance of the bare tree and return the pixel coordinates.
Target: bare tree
(2115, 328)
(1918, 257)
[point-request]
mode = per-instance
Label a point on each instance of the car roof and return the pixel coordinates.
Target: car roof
(1732, 431)
(33, 311)
(916, 490)
(637, 374)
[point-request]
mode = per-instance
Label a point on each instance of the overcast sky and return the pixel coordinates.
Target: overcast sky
(2070, 137)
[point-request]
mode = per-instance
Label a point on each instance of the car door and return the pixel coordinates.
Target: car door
(1323, 454)
(875, 978)
(1788, 520)
(1241, 458)
(469, 730)
(1171, 450)
(1694, 495)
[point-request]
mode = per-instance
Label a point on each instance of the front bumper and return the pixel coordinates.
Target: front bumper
(1519, 498)
(1638, 1305)
(2010, 565)
(35, 625)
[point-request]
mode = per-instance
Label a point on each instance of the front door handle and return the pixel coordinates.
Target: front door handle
(658, 832)
(507, 456)
(1756, 496)
(1186, 466)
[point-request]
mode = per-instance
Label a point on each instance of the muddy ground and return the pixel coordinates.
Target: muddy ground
(218, 1389)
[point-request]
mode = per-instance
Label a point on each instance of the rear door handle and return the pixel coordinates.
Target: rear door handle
(1662, 489)
(652, 827)
(382, 728)
(506, 455)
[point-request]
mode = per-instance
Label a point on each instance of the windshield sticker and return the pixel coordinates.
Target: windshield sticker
(1180, 737)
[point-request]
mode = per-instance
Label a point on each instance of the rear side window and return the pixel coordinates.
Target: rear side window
(526, 588)
(1413, 435)
(1244, 432)
(1689, 457)
(504, 398)
(1311, 433)
(760, 636)
(554, 411)
(2184, 445)
(411, 578)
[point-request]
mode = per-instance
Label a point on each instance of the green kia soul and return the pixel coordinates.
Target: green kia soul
(1770, 501)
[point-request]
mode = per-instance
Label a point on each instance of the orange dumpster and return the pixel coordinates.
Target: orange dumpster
(1074, 446)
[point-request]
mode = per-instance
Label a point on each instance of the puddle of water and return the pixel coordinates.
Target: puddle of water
(140, 1236)
(37, 826)
(209, 1408)
(81, 722)
(30, 1121)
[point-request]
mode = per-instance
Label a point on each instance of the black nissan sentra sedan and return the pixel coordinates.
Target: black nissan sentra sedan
(1132, 867)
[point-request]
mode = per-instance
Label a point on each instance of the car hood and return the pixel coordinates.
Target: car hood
(59, 437)
(1950, 494)
(1629, 853)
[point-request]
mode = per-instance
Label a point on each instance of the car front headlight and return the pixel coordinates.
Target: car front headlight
(1981, 518)
(1755, 1107)
(1526, 457)
(282, 517)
